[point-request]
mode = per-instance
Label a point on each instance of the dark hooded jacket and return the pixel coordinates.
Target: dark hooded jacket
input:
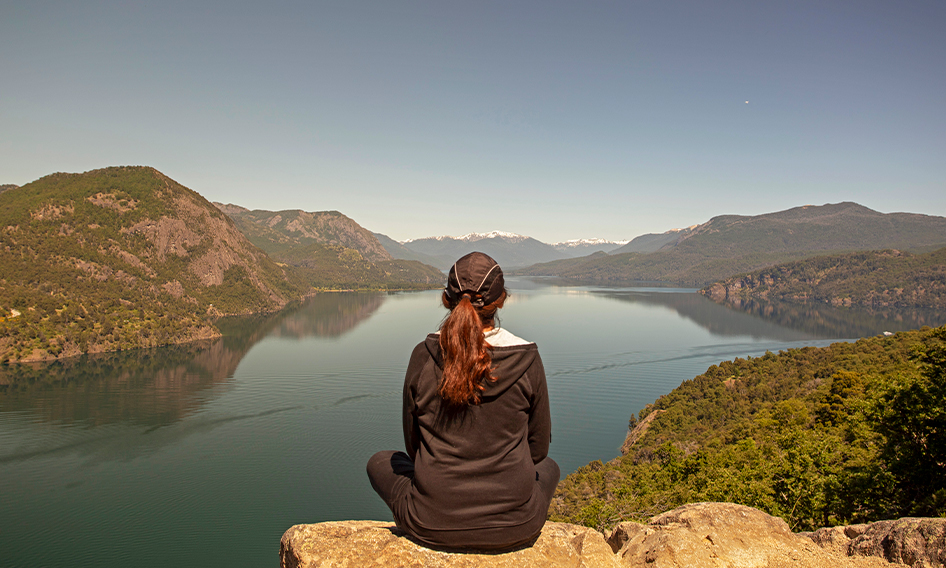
(474, 467)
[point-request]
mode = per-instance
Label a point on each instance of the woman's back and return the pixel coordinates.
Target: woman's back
(475, 464)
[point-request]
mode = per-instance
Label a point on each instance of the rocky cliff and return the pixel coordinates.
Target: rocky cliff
(694, 535)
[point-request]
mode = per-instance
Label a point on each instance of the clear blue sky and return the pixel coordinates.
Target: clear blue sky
(555, 120)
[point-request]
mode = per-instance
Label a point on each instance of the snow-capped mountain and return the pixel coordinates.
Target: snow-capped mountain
(473, 237)
(584, 247)
(508, 237)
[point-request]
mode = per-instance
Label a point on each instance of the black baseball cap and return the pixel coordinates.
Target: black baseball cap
(479, 276)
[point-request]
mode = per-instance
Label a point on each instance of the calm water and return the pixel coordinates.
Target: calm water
(203, 455)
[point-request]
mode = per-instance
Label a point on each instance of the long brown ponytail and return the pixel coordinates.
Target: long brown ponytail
(466, 358)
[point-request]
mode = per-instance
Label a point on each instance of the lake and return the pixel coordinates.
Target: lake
(204, 454)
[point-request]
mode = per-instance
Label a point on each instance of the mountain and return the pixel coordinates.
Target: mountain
(872, 279)
(734, 244)
(584, 247)
(279, 230)
(330, 250)
(120, 258)
(401, 252)
(653, 242)
(7, 187)
(508, 249)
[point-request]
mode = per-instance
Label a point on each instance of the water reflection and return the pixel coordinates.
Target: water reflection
(782, 321)
(837, 322)
(157, 387)
(141, 386)
(710, 316)
(330, 314)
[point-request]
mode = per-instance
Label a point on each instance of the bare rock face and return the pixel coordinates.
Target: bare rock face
(373, 543)
(638, 432)
(917, 542)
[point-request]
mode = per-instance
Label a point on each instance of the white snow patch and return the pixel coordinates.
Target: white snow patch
(582, 242)
(473, 237)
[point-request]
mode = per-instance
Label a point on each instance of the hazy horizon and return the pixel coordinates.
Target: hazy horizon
(554, 120)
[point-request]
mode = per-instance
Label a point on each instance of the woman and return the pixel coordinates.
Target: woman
(476, 475)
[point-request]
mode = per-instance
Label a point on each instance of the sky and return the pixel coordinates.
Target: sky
(557, 120)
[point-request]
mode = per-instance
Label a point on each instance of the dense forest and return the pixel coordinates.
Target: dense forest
(849, 433)
(874, 279)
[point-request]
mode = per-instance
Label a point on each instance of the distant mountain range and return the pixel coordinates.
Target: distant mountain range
(508, 249)
(735, 244)
(584, 247)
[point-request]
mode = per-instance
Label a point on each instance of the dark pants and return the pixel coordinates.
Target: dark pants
(391, 474)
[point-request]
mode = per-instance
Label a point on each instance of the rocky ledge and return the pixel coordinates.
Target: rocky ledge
(698, 534)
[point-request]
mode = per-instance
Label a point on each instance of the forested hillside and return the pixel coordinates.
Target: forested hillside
(849, 433)
(330, 250)
(120, 258)
(874, 279)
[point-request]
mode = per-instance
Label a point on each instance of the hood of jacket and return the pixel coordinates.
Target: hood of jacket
(509, 364)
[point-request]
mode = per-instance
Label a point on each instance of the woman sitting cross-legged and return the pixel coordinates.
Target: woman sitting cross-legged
(476, 475)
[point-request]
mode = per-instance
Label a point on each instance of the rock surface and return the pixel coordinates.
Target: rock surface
(698, 534)
(373, 543)
(917, 542)
(720, 535)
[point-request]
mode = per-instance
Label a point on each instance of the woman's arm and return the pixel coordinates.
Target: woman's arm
(408, 420)
(540, 420)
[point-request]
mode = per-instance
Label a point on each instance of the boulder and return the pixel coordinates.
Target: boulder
(836, 539)
(720, 535)
(372, 543)
(917, 542)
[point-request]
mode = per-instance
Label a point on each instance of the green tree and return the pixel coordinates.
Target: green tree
(911, 415)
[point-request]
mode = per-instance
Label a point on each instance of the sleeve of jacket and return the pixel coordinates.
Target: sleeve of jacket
(408, 420)
(540, 420)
